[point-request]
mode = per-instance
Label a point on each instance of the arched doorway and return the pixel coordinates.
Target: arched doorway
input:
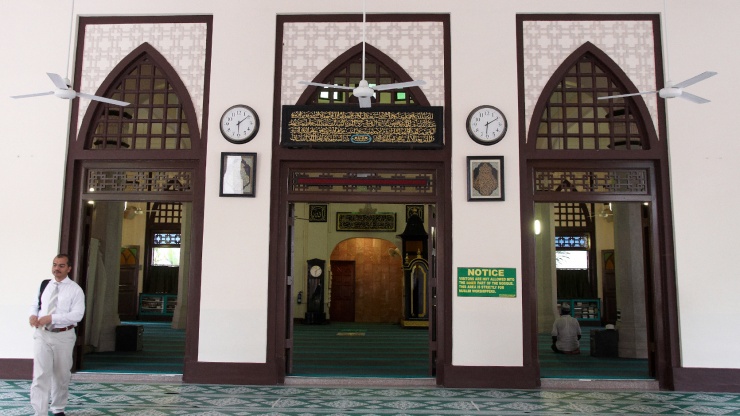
(357, 175)
(129, 163)
(357, 329)
(367, 277)
(582, 153)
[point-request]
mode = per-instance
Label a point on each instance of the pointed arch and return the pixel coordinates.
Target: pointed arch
(569, 116)
(348, 67)
(161, 115)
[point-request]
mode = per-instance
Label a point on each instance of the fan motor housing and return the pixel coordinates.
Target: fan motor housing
(67, 94)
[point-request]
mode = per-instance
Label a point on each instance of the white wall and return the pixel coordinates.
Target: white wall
(704, 171)
(34, 38)
(34, 41)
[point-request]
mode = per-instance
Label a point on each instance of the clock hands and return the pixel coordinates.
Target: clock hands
(488, 124)
(238, 124)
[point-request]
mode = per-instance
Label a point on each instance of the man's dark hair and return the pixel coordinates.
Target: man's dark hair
(64, 256)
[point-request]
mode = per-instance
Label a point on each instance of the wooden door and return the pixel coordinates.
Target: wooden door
(128, 284)
(609, 288)
(128, 293)
(342, 301)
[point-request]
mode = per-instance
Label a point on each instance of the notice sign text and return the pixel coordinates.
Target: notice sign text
(486, 282)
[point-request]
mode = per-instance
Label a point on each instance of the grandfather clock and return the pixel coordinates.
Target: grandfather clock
(315, 292)
(414, 242)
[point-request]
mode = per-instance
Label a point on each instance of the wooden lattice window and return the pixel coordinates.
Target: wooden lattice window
(150, 181)
(155, 120)
(350, 75)
(163, 245)
(571, 215)
(366, 182)
(574, 119)
(595, 181)
(164, 214)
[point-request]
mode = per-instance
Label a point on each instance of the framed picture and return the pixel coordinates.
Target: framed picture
(414, 210)
(237, 174)
(316, 213)
(485, 178)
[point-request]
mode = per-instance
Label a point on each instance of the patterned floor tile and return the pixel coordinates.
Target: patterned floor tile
(133, 399)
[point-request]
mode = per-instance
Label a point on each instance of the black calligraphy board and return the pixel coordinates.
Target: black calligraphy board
(349, 126)
(352, 221)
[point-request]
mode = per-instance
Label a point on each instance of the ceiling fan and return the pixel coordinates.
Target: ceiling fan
(671, 90)
(64, 86)
(364, 92)
(674, 90)
(64, 90)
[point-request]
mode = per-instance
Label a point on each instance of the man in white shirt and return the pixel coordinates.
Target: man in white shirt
(55, 314)
(566, 333)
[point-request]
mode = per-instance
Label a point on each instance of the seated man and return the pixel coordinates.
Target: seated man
(566, 332)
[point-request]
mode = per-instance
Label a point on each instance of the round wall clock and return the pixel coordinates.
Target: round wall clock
(316, 271)
(239, 124)
(486, 125)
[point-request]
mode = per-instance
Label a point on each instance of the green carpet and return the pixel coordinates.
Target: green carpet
(584, 366)
(360, 350)
(355, 350)
(163, 352)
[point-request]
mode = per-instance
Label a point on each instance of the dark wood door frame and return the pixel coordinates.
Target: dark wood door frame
(660, 285)
(278, 272)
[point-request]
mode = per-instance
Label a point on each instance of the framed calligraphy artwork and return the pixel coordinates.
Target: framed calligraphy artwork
(378, 127)
(485, 178)
(417, 210)
(317, 213)
(352, 221)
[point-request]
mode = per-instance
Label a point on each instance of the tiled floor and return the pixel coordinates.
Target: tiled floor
(164, 399)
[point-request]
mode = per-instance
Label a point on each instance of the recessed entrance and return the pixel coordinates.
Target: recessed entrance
(352, 289)
(135, 276)
(593, 260)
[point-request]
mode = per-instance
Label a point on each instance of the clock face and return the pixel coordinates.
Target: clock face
(239, 124)
(316, 271)
(486, 125)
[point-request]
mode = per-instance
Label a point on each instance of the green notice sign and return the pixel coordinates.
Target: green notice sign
(486, 282)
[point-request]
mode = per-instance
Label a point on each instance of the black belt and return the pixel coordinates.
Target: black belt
(66, 328)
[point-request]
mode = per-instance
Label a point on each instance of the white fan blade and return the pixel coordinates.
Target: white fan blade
(693, 98)
(694, 80)
(398, 85)
(316, 84)
(364, 102)
(58, 81)
(626, 95)
(38, 94)
(102, 99)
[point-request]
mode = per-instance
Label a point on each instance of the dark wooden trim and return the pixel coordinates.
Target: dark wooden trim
(229, 373)
(175, 82)
(351, 17)
(619, 76)
(16, 368)
(530, 357)
(707, 379)
(457, 376)
(666, 331)
(283, 158)
(662, 305)
(195, 159)
(564, 17)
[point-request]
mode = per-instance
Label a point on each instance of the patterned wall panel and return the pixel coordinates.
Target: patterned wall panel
(309, 47)
(546, 44)
(183, 44)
